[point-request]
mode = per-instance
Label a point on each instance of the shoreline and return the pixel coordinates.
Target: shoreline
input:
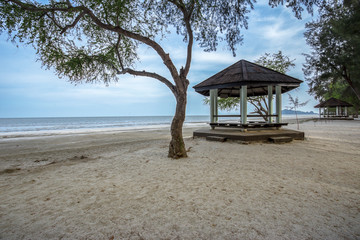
(149, 127)
(84, 131)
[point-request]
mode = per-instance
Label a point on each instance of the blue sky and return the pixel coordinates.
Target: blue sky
(28, 90)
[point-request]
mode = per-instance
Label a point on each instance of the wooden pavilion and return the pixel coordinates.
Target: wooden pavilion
(326, 109)
(244, 79)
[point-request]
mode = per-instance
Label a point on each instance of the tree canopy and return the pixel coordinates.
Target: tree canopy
(276, 61)
(335, 58)
(96, 40)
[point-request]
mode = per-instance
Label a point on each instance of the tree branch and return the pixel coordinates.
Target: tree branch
(52, 18)
(117, 51)
(77, 19)
(33, 8)
(344, 74)
(349, 81)
(154, 45)
(151, 75)
(187, 18)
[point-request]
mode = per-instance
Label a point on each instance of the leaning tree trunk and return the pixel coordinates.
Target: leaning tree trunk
(177, 145)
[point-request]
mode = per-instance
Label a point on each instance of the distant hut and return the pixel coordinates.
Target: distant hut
(244, 79)
(333, 108)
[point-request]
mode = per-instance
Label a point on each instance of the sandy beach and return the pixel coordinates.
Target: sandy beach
(121, 185)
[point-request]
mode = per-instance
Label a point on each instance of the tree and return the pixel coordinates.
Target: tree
(341, 90)
(97, 41)
(276, 61)
(335, 41)
(295, 104)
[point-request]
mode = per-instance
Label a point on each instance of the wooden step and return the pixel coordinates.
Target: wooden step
(280, 139)
(215, 139)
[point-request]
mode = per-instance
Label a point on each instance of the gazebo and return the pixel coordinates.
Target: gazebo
(341, 108)
(244, 79)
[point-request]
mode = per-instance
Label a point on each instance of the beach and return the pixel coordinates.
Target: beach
(121, 185)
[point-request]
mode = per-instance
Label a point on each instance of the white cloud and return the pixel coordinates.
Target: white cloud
(278, 32)
(220, 57)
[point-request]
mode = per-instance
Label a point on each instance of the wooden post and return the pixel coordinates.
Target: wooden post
(270, 103)
(346, 112)
(212, 100)
(240, 104)
(337, 111)
(216, 112)
(319, 112)
(278, 103)
(243, 104)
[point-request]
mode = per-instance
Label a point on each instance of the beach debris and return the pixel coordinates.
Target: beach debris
(10, 170)
(41, 160)
(77, 157)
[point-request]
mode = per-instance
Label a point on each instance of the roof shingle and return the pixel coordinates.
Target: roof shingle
(333, 102)
(256, 77)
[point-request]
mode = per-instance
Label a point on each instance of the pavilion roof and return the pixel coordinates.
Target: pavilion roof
(254, 76)
(333, 102)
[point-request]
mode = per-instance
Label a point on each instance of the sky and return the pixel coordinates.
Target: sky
(29, 90)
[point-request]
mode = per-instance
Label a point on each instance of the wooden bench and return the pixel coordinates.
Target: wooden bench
(248, 125)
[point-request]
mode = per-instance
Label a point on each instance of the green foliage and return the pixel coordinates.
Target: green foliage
(227, 104)
(276, 61)
(83, 52)
(335, 41)
(211, 20)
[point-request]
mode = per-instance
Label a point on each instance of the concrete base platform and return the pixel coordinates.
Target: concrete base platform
(258, 135)
(336, 118)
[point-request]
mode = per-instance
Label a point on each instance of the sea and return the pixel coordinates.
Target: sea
(66, 125)
(16, 127)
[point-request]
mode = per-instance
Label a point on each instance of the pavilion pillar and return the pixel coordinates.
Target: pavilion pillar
(278, 103)
(270, 103)
(243, 104)
(216, 112)
(213, 96)
(319, 112)
(346, 112)
(337, 111)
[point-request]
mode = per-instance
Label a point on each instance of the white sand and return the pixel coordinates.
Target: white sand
(121, 185)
